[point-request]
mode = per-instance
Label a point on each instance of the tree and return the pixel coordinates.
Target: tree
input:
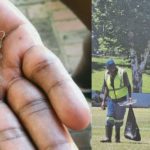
(95, 26)
(125, 24)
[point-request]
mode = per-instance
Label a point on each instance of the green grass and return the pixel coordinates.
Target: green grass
(98, 123)
(98, 73)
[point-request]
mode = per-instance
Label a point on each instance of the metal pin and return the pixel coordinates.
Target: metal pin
(2, 36)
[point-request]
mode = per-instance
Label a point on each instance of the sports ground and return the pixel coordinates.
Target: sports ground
(98, 123)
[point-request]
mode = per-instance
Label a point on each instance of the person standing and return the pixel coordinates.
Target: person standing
(116, 87)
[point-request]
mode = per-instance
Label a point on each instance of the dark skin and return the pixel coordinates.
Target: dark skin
(35, 85)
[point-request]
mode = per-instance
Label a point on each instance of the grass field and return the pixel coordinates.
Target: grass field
(98, 123)
(98, 70)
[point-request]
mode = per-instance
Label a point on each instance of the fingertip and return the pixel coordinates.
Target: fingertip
(84, 121)
(73, 109)
(78, 118)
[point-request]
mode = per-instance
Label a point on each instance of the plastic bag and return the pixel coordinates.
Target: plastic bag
(131, 129)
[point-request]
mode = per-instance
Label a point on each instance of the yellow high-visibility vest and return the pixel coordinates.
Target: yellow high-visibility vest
(120, 89)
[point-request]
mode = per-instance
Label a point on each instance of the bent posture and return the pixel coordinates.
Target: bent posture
(116, 88)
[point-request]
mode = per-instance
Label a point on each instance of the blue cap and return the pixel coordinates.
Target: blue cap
(110, 63)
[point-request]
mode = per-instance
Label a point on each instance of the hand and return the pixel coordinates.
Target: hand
(129, 99)
(41, 96)
(103, 105)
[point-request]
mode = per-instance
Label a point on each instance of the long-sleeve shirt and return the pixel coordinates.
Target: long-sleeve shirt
(125, 80)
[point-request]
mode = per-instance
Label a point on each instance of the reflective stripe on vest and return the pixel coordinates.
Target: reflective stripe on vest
(120, 89)
(114, 120)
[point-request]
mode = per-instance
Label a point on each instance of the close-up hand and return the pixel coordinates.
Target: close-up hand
(39, 100)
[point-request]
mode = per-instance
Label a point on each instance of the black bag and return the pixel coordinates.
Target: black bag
(131, 131)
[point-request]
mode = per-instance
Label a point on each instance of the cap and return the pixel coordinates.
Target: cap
(110, 63)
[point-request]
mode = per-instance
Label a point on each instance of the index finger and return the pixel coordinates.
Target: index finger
(44, 68)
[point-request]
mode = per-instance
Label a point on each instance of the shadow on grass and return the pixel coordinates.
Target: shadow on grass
(147, 72)
(98, 66)
(133, 143)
